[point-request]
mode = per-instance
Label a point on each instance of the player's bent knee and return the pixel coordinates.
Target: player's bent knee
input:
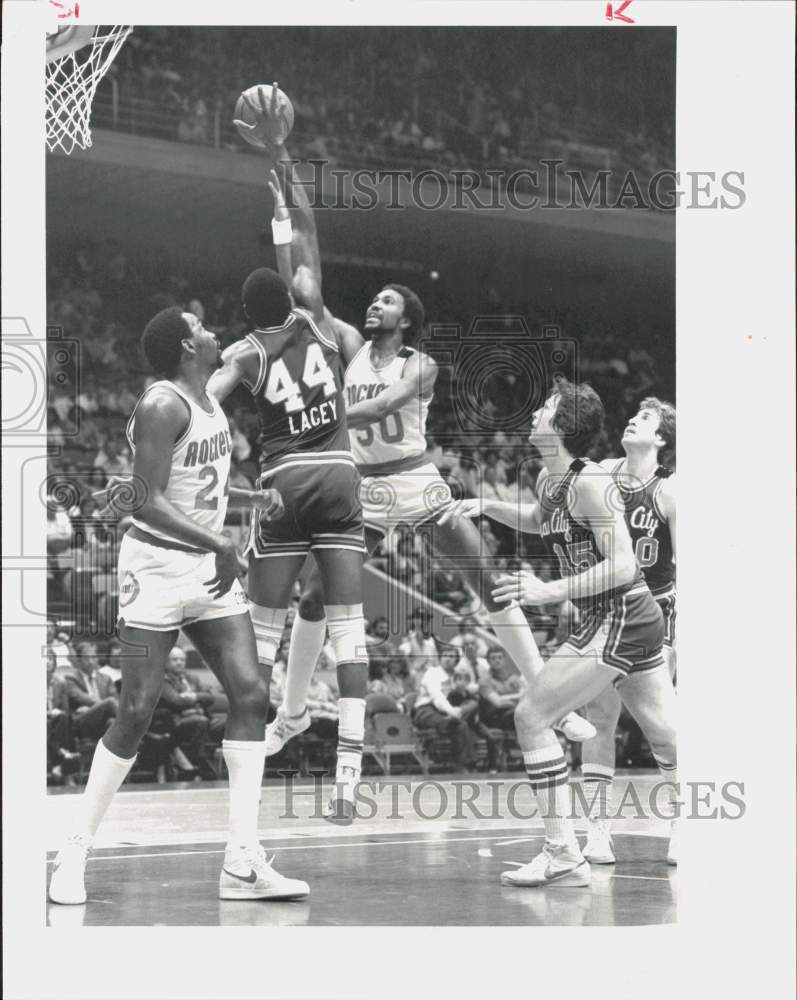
(135, 714)
(528, 718)
(251, 702)
(346, 627)
(268, 624)
(311, 605)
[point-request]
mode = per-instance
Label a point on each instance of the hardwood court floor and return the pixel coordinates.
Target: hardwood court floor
(158, 857)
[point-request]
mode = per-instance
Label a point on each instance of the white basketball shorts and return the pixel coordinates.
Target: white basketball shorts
(162, 589)
(406, 498)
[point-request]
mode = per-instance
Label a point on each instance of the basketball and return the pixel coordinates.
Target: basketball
(248, 110)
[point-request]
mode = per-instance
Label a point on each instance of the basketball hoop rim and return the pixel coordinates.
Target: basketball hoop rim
(73, 38)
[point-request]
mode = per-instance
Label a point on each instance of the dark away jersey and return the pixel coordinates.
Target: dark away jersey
(573, 544)
(298, 393)
(648, 527)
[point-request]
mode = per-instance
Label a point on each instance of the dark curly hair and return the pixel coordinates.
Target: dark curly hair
(162, 341)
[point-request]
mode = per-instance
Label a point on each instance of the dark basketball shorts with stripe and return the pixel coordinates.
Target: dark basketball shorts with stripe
(626, 632)
(322, 511)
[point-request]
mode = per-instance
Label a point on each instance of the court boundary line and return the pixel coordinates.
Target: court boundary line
(340, 842)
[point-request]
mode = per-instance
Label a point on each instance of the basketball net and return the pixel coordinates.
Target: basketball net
(77, 59)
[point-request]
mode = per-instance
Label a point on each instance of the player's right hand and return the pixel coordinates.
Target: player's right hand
(470, 507)
(228, 569)
(269, 127)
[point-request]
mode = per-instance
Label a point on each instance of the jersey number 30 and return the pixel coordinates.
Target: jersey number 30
(389, 435)
(281, 388)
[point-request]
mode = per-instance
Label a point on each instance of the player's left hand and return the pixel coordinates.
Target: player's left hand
(514, 589)
(270, 126)
(269, 503)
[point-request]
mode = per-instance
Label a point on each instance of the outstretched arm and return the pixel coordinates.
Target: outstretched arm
(303, 277)
(304, 248)
(240, 363)
(523, 517)
(281, 215)
(417, 381)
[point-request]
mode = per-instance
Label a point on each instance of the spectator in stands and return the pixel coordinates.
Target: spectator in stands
(191, 705)
(61, 760)
(499, 691)
(418, 647)
(113, 458)
(111, 665)
(59, 543)
(391, 687)
(476, 665)
(92, 696)
(403, 561)
(378, 637)
(59, 645)
(450, 589)
(433, 713)
(466, 631)
(463, 697)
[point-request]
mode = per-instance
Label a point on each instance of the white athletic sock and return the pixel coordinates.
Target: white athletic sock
(547, 771)
(245, 760)
(106, 775)
(351, 731)
(307, 641)
(597, 782)
(513, 632)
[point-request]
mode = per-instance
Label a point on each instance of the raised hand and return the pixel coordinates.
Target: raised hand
(272, 125)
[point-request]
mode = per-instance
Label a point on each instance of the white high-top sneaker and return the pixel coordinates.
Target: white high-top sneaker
(67, 882)
(576, 728)
(284, 728)
(599, 849)
(560, 865)
(247, 874)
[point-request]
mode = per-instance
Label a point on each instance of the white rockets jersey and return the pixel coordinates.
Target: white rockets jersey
(400, 435)
(198, 482)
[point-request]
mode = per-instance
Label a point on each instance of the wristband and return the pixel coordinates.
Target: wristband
(282, 231)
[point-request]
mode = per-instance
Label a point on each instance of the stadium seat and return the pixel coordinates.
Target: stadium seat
(394, 736)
